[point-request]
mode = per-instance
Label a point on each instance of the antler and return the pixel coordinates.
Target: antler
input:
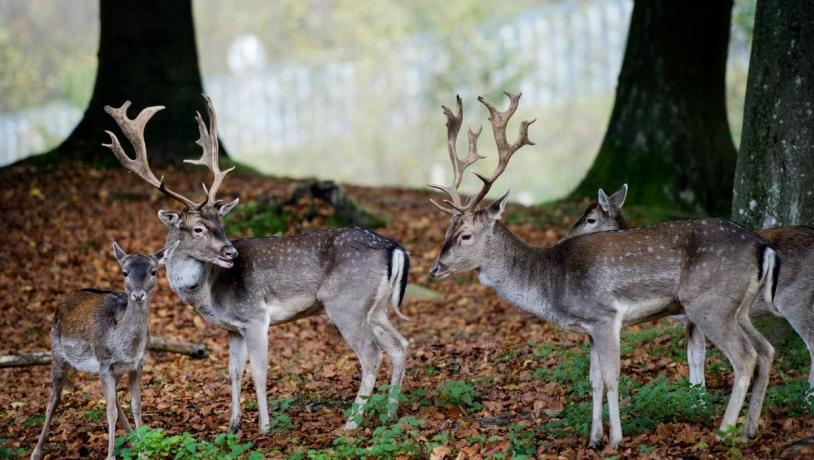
(458, 166)
(209, 158)
(133, 130)
(499, 120)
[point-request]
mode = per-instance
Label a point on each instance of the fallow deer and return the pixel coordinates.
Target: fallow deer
(710, 269)
(105, 332)
(794, 298)
(353, 275)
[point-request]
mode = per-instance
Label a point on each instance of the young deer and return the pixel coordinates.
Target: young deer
(105, 333)
(795, 284)
(710, 269)
(353, 275)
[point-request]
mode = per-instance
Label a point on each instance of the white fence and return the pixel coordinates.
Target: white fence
(562, 51)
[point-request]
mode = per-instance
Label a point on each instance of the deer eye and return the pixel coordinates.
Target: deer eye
(466, 237)
(198, 230)
(591, 220)
(125, 274)
(152, 273)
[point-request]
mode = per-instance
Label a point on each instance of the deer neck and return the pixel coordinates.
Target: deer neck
(135, 317)
(188, 278)
(518, 272)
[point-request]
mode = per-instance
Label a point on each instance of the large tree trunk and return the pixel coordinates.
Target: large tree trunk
(774, 181)
(147, 54)
(668, 135)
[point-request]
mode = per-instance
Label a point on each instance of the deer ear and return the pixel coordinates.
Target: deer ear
(619, 196)
(604, 201)
(495, 210)
(170, 218)
(165, 253)
(225, 208)
(119, 253)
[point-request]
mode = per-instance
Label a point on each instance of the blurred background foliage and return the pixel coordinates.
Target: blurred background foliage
(352, 90)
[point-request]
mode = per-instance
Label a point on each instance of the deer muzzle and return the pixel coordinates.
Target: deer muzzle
(439, 270)
(226, 257)
(139, 295)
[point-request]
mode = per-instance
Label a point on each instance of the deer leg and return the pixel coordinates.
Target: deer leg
(765, 356)
(597, 393)
(395, 345)
(370, 358)
(257, 345)
(607, 343)
(58, 374)
(122, 417)
(237, 363)
(728, 335)
(109, 391)
(801, 318)
(350, 316)
(696, 353)
(134, 382)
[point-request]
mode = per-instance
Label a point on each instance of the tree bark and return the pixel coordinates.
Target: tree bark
(774, 180)
(668, 133)
(147, 54)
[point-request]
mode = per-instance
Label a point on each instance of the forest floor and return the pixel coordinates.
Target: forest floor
(483, 378)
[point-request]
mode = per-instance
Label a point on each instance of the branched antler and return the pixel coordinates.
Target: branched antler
(454, 122)
(208, 141)
(499, 120)
(505, 150)
(133, 130)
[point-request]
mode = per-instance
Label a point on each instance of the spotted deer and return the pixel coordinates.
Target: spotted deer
(709, 269)
(353, 275)
(105, 333)
(794, 298)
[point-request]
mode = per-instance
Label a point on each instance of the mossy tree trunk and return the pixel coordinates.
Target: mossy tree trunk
(147, 54)
(668, 135)
(774, 181)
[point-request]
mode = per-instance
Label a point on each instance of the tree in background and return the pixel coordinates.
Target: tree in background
(668, 132)
(147, 54)
(774, 180)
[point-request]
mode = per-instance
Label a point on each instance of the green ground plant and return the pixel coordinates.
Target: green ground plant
(146, 442)
(454, 393)
(386, 442)
(10, 452)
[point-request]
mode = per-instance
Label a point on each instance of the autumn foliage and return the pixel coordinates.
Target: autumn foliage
(483, 379)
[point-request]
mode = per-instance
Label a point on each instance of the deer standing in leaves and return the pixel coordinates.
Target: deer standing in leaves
(105, 333)
(794, 298)
(710, 269)
(353, 275)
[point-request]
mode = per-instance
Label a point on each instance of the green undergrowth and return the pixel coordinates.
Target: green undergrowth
(10, 452)
(146, 442)
(258, 219)
(644, 406)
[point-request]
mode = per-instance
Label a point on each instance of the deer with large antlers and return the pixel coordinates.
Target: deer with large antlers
(795, 282)
(353, 275)
(711, 270)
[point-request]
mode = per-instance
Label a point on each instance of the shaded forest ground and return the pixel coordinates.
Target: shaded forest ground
(483, 379)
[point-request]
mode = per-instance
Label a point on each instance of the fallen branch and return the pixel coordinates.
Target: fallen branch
(157, 343)
(191, 349)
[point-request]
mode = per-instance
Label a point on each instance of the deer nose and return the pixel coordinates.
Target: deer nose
(436, 269)
(230, 251)
(138, 295)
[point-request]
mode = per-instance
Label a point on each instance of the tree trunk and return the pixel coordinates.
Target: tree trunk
(147, 55)
(774, 181)
(668, 134)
